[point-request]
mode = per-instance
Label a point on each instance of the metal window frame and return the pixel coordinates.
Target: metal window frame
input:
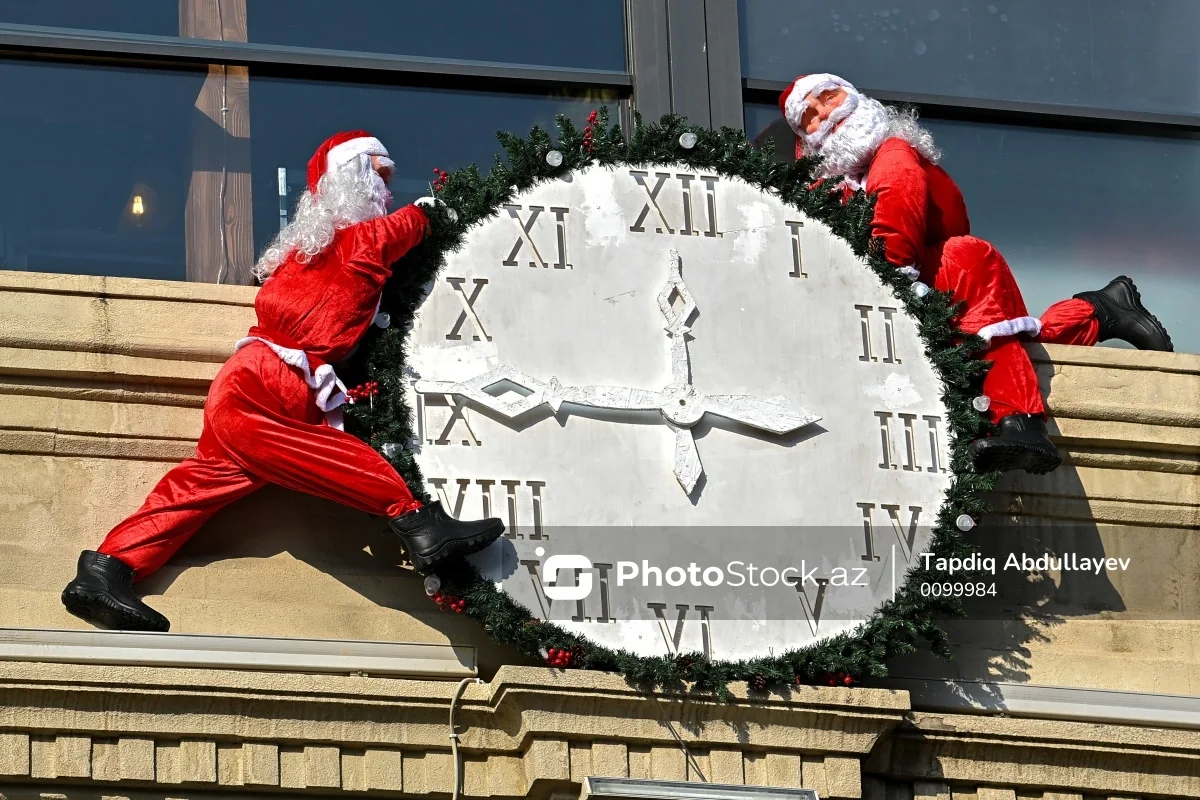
(685, 59)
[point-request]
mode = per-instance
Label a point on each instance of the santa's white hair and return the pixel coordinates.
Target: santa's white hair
(352, 193)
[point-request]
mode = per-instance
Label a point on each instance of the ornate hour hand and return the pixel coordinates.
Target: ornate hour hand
(680, 403)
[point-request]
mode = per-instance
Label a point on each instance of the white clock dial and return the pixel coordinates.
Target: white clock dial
(656, 369)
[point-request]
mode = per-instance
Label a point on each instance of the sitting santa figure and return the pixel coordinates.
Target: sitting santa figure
(922, 219)
(273, 413)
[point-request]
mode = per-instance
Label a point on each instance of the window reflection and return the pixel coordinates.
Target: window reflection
(1070, 210)
(96, 163)
(421, 128)
(550, 33)
(546, 32)
(150, 17)
(1096, 53)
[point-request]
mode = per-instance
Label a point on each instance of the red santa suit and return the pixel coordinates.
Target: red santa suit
(273, 411)
(922, 219)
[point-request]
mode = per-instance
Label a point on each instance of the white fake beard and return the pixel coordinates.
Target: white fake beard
(351, 194)
(847, 150)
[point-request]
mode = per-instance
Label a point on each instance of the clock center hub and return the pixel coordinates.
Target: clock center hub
(682, 405)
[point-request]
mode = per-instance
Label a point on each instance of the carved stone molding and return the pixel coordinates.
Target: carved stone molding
(959, 756)
(530, 730)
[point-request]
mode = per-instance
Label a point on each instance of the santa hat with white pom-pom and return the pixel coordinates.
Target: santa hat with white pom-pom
(342, 148)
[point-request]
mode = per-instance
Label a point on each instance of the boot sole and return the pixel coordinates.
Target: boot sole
(1008, 457)
(99, 608)
(1135, 299)
(456, 548)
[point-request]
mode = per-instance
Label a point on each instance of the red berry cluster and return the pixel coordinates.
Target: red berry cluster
(831, 679)
(556, 657)
(588, 144)
(448, 602)
(363, 391)
(439, 182)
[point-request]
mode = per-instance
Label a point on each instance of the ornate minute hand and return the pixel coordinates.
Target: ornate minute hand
(677, 321)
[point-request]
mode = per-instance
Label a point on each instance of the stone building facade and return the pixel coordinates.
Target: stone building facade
(103, 381)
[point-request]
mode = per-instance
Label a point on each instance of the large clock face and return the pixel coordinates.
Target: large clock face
(706, 424)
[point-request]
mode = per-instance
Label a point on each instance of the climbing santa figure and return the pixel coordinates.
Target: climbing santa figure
(273, 413)
(921, 217)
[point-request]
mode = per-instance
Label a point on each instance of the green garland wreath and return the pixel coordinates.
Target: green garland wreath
(899, 623)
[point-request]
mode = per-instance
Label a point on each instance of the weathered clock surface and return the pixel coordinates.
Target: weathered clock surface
(706, 423)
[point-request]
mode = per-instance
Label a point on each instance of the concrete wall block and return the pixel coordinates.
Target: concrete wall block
(197, 761)
(14, 754)
(106, 764)
(230, 764)
(728, 766)
(610, 759)
(506, 777)
(784, 769)
(354, 770)
(668, 763)
(260, 764)
(639, 761)
(385, 770)
(580, 759)
(412, 773)
(168, 764)
(322, 767)
(550, 759)
(291, 767)
(815, 776)
(136, 757)
(754, 767)
(843, 777)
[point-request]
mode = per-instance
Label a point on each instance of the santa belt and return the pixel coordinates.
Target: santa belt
(329, 392)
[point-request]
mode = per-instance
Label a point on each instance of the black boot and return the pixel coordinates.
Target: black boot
(431, 536)
(102, 594)
(1121, 315)
(1021, 444)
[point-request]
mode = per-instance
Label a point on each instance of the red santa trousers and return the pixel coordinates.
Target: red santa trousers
(260, 426)
(974, 272)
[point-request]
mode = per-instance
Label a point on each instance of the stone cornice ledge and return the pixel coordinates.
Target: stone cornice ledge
(1036, 755)
(529, 732)
(520, 704)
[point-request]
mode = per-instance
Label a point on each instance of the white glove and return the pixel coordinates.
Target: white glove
(431, 202)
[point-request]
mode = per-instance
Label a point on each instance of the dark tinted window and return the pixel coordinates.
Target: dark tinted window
(96, 163)
(545, 32)
(421, 128)
(585, 35)
(114, 171)
(154, 17)
(1139, 56)
(1070, 210)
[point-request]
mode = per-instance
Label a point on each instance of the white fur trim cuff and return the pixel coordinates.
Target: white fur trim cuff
(802, 88)
(912, 273)
(347, 151)
(1011, 327)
